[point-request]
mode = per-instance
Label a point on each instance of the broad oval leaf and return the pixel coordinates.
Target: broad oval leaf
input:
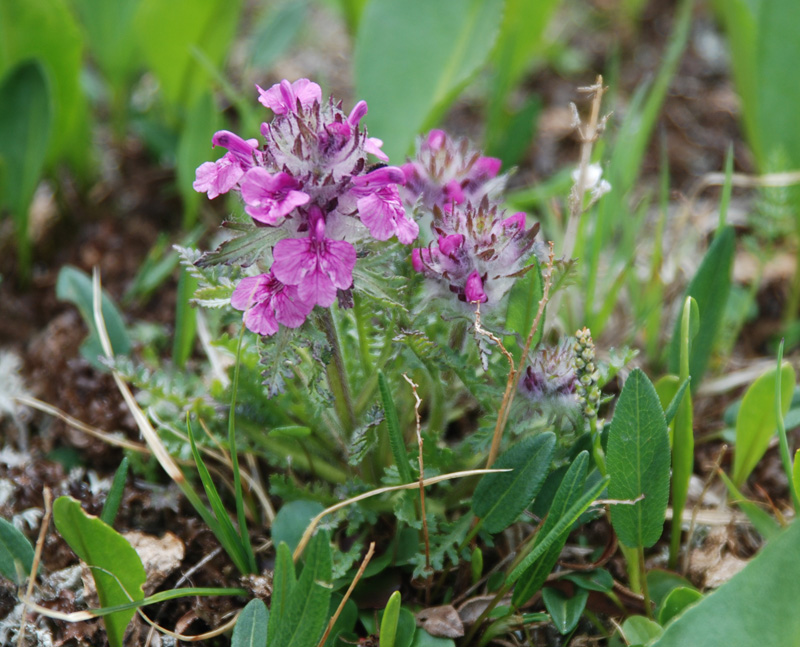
(676, 602)
(251, 627)
(292, 520)
(638, 462)
(756, 422)
(118, 572)
(15, 549)
(639, 630)
(565, 611)
(502, 496)
(411, 58)
(756, 607)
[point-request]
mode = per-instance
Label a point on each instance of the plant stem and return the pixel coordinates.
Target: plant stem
(363, 337)
(648, 605)
(337, 374)
(784, 443)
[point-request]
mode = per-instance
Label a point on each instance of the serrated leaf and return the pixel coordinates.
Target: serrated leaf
(568, 493)
(438, 44)
(501, 497)
(638, 462)
(306, 610)
(756, 422)
(245, 248)
(116, 567)
(251, 627)
(15, 549)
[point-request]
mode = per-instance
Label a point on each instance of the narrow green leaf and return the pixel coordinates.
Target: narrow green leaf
(568, 493)
(672, 406)
(796, 472)
(391, 614)
(100, 546)
(114, 497)
(676, 602)
(45, 30)
(168, 34)
(163, 596)
(15, 550)
(438, 44)
(185, 319)
(710, 287)
(638, 462)
(501, 497)
(194, 148)
(75, 286)
(396, 441)
(563, 524)
(25, 125)
(222, 527)
(276, 32)
(284, 581)
(761, 520)
(306, 610)
(756, 422)
(523, 303)
(251, 627)
(564, 610)
(756, 607)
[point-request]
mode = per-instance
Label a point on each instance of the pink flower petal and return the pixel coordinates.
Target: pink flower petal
(292, 260)
(473, 291)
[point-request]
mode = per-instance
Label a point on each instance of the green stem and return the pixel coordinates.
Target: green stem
(648, 605)
(597, 448)
(363, 336)
(784, 443)
(337, 374)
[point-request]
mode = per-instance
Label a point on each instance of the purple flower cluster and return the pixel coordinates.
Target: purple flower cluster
(312, 181)
(478, 252)
(551, 381)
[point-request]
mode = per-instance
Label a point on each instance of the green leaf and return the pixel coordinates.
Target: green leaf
(761, 520)
(568, 493)
(114, 497)
(194, 148)
(75, 286)
(389, 620)
(170, 34)
(306, 610)
(676, 602)
(756, 607)
(641, 630)
(661, 582)
(523, 303)
(672, 405)
(406, 625)
(562, 525)
(638, 462)
(396, 441)
(25, 125)
(501, 497)
(438, 44)
(292, 520)
(251, 627)
(185, 319)
(284, 581)
(117, 570)
(710, 288)
(275, 33)
(756, 422)
(598, 579)
(423, 639)
(15, 550)
(45, 30)
(565, 611)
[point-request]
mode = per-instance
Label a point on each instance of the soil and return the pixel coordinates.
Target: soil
(115, 222)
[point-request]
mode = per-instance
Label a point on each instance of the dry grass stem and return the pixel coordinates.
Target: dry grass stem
(312, 526)
(37, 558)
(346, 597)
(417, 404)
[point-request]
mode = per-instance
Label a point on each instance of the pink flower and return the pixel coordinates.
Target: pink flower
(317, 265)
(473, 291)
(380, 207)
(283, 97)
(216, 178)
(267, 302)
(268, 198)
(241, 149)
